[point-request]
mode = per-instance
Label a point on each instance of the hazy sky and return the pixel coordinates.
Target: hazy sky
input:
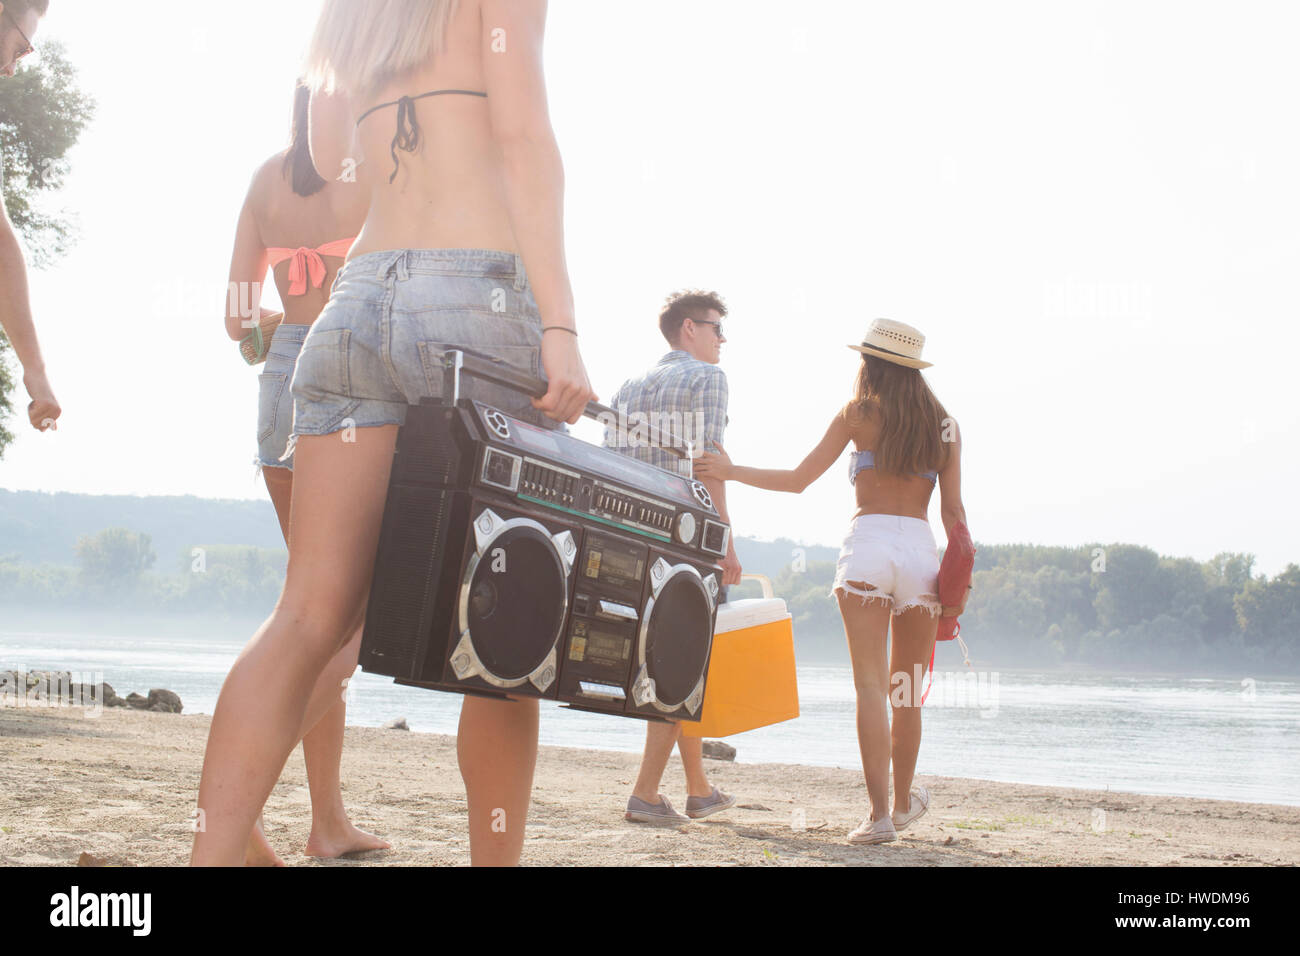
(1090, 210)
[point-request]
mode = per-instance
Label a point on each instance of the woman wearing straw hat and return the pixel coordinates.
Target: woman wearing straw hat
(888, 568)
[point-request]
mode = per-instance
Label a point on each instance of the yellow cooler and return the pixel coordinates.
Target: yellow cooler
(751, 679)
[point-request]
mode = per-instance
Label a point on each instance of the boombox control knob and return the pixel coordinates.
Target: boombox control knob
(497, 422)
(701, 494)
(686, 528)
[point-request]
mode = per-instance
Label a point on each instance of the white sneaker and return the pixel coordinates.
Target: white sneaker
(882, 831)
(920, 802)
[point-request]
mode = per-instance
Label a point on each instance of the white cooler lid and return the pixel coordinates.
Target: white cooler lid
(749, 612)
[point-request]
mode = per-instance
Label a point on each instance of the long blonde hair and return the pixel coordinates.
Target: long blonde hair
(362, 45)
(912, 419)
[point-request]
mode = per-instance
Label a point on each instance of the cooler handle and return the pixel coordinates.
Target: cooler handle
(764, 581)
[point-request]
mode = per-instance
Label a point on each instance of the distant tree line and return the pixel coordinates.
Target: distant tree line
(114, 571)
(1118, 606)
(1114, 606)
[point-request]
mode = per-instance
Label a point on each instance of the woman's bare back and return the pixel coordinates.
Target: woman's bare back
(879, 492)
(287, 220)
(454, 177)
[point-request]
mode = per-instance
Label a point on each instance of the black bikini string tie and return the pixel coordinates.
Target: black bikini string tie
(408, 129)
(408, 132)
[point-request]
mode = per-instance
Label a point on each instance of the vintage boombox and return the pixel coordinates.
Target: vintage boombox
(519, 560)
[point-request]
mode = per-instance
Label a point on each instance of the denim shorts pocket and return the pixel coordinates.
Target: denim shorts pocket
(323, 364)
(476, 296)
(270, 388)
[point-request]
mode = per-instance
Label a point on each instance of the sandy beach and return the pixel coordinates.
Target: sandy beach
(121, 786)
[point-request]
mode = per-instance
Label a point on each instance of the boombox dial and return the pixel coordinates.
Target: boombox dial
(686, 527)
(701, 494)
(498, 423)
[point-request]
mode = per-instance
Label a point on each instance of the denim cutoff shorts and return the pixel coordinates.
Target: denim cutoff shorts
(894, 554)
(377, 346)
(274, 401)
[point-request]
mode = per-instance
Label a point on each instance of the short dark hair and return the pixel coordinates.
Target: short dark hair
(690, 304)
(18, 7)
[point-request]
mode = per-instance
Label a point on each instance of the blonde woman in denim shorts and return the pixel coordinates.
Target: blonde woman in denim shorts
(438, 110)
(299, 226)
(887, 574)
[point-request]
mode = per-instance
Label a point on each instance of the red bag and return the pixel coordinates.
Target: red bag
(954, 579)
(954, 576)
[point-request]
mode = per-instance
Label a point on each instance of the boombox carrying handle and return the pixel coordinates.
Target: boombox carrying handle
(458, 361)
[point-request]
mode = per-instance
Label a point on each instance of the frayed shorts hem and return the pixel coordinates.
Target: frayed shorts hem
(890, 559)
(844, 589)
(260, 463)
(342, 426)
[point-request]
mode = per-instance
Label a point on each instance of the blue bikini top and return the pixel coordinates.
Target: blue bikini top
(862, 460)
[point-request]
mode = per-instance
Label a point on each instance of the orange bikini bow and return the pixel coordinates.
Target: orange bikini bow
(306, 263)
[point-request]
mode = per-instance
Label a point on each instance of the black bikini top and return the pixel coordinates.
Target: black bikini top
(408, 130)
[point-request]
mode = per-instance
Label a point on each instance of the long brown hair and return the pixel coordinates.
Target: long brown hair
(912, 419)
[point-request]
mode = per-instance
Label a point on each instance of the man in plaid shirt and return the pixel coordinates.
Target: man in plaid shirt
(684, 395)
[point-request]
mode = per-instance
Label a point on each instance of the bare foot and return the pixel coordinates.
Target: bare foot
(330, 846)
(259, 852)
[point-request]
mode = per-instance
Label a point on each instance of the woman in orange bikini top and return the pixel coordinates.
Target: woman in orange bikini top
(286, 199)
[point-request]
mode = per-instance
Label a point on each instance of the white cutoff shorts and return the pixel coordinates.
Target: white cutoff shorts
(896, 556)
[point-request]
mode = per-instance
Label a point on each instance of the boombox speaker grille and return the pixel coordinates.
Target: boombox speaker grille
(515, 603)
(677, 641)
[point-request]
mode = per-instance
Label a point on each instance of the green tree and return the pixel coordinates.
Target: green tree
(42, 115)
(1231, 569)
(8, 382)
(1226, 575)
(1128, 591)
(114, 558)
(1269, 611)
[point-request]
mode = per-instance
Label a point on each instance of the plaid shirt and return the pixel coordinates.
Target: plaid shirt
(681, 395)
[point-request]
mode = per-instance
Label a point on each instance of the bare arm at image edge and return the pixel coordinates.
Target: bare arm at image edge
(16, 320)
(521, 125)
(512, 33)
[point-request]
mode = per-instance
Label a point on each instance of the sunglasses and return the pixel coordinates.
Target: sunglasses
(26, 39)
(717, 326)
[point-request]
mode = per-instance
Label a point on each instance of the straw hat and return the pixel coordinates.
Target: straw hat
(894, 342)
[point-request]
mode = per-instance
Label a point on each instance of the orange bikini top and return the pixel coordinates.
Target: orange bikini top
(307, 263)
